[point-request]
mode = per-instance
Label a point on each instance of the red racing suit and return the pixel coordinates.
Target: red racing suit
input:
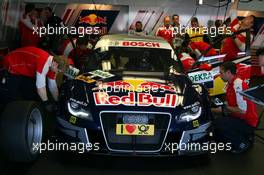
(187, 61)
(166, 33)
(243, 72)
(230, 47)
(202, 47)
(234, 99)
(67, 50)
(27, 35)
(31, 62)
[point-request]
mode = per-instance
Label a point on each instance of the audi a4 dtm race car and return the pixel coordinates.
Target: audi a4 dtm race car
(133, 101)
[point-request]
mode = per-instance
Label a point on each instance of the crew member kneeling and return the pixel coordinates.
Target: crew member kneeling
(238, 127)
(27, 70)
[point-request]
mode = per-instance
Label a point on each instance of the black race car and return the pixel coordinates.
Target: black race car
(133, 101)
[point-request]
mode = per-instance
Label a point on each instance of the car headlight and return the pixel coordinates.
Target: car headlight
(76, 110)
(191, 114)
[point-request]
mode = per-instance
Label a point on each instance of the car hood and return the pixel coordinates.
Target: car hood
(133, 92)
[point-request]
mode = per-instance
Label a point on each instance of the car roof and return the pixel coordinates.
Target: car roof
(115, 40)
(126, 37)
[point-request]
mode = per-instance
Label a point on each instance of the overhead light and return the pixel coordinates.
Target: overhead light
(200, 2)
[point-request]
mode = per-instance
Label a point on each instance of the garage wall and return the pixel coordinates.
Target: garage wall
(255, 5)
(151, 12)
(167, 7)
(8, 21)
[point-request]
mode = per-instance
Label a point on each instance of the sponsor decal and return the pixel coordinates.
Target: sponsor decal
(96, 73)
(103, 99)
(100, 21)
(140, 44)
(86, 79)
(146, 99)
(71, 72)
(201, 76)
(136, 85)
(73, 120)
(116, 85)
(191, 106)
(196, 123)
(92, 19)
(153, 85)
(101, 74)
(137, 99)
(135, 129)
(79, 102)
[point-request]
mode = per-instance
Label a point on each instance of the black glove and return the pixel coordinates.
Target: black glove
(48, 106)
(224, 111)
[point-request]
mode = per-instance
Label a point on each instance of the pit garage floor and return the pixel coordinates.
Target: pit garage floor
(249, 163)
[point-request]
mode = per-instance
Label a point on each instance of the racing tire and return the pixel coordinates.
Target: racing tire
(21, 125)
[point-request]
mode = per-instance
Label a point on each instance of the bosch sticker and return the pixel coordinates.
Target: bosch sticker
(140, 44)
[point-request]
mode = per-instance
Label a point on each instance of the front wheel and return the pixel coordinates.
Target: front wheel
(21, 129)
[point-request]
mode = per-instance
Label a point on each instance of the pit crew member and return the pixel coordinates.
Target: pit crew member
(138, 30)
(233, 45)
(196, 32)
(28, 22)
(83, 48)
(238, 126)
(166, 31)
(26, 71)
(260, 54)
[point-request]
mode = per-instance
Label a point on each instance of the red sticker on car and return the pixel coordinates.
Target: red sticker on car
(135, 99)
(141, 44)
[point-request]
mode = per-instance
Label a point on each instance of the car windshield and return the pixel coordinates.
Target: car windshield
(136, 59)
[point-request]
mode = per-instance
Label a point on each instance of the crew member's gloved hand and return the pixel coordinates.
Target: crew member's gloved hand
(49, 107)
(224, 110)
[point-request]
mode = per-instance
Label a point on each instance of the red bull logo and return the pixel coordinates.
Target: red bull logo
(161, 87)
(141, 86)
(92, 19)
(133, 99)
(116, 85)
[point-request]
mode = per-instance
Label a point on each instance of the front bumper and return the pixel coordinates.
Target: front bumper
(67, 132)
